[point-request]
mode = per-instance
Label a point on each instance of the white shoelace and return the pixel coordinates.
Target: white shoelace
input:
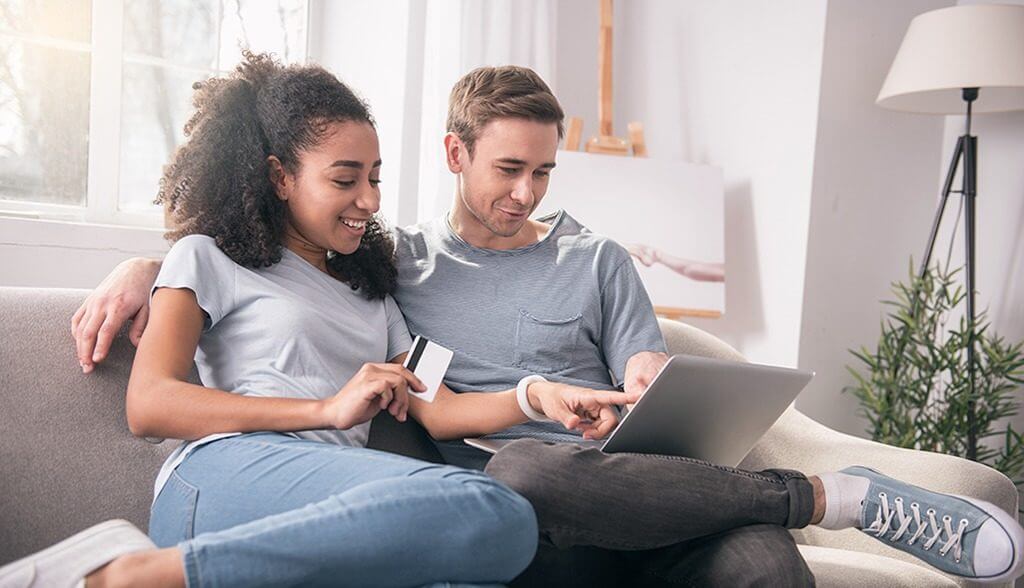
(886, 518)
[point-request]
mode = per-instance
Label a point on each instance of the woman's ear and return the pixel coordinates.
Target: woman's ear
(279, 177)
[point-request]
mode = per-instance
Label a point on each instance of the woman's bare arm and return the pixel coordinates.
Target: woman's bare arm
(160, 401)
(469, 414)
(473, 414)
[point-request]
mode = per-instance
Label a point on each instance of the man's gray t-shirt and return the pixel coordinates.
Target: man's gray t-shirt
(288, 330)
(570, 307)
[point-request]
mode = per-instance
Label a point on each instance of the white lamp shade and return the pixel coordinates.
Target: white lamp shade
(946, 50)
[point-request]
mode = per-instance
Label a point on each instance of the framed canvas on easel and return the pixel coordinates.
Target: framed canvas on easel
(668, 214)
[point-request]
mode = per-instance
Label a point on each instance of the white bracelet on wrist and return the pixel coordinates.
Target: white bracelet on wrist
(524, 400)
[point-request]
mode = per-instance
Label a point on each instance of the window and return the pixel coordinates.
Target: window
(45, 62)
(95, 94)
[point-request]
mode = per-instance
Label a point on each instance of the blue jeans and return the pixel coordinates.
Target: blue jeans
(266, 509)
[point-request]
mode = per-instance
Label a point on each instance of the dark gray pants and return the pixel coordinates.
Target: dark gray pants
(657, 520)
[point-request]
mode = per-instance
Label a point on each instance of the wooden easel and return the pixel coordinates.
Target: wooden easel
(606, 142)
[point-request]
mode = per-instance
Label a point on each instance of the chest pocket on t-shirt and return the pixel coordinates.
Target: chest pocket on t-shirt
(546, 345)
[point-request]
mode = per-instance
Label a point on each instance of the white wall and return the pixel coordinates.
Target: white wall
(459, 36)
(734, 84)
(876, 176)
(999, 241)
(877, 180)
(999, 245)
(368, 48)
(405, 58)
(827, 195)
(999, 238)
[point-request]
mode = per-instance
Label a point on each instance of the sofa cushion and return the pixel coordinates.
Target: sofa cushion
(67, 459)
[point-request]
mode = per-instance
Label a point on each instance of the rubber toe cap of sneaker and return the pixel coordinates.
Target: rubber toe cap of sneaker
(20, 577)
(997, 551)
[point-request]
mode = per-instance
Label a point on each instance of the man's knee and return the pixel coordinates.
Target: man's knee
(756, 555)
(783, 567)
(532, 468)
(751, 556)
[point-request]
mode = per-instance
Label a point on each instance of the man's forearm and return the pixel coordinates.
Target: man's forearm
(152, 264)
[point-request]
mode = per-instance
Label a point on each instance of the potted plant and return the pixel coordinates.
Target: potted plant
(914, 387)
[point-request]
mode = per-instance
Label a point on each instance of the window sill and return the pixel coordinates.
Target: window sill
(19, 230)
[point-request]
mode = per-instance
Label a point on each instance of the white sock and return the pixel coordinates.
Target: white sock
(844, 499)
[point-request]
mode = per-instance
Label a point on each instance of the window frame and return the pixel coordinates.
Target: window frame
(107, 56)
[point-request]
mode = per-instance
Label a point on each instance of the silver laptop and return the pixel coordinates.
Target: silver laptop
(709, 409)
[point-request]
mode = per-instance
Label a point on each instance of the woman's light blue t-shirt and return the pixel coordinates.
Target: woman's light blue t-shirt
(288, 330)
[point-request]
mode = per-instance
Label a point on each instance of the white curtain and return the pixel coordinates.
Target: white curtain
(404, 57)
(459, 35)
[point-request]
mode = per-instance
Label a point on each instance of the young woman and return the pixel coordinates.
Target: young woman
(277, 287)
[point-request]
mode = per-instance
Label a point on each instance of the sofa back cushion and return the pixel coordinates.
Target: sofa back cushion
(67, 459)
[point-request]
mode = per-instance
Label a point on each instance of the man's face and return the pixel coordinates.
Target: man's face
(505, 179)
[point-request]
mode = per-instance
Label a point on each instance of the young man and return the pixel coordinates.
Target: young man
(520, 301)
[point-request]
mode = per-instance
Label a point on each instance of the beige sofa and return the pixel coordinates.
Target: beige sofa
(67, 459)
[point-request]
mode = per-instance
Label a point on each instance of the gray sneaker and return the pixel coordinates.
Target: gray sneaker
(66, 564)
(958, 535)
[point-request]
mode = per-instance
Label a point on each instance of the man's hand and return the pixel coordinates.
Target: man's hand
(122, 295)
(641, 370)
(583, 409)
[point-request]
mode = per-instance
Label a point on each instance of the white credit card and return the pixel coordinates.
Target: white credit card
(429, 361)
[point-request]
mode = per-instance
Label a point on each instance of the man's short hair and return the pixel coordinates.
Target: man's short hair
(509, 91)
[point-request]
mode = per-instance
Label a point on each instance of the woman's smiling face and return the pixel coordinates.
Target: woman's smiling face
(334, 190)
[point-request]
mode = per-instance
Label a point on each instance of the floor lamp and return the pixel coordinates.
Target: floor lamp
(963, 58)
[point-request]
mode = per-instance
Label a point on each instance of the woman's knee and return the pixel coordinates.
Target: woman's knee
(507, 538)
(519, 532)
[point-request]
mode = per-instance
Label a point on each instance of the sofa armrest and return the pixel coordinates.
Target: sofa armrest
(798, 442)
(684, 339)
(841, 568)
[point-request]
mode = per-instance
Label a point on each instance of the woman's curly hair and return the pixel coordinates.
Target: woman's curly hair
(218, 183)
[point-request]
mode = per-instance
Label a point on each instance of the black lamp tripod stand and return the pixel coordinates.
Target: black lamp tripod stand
(967, 151)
